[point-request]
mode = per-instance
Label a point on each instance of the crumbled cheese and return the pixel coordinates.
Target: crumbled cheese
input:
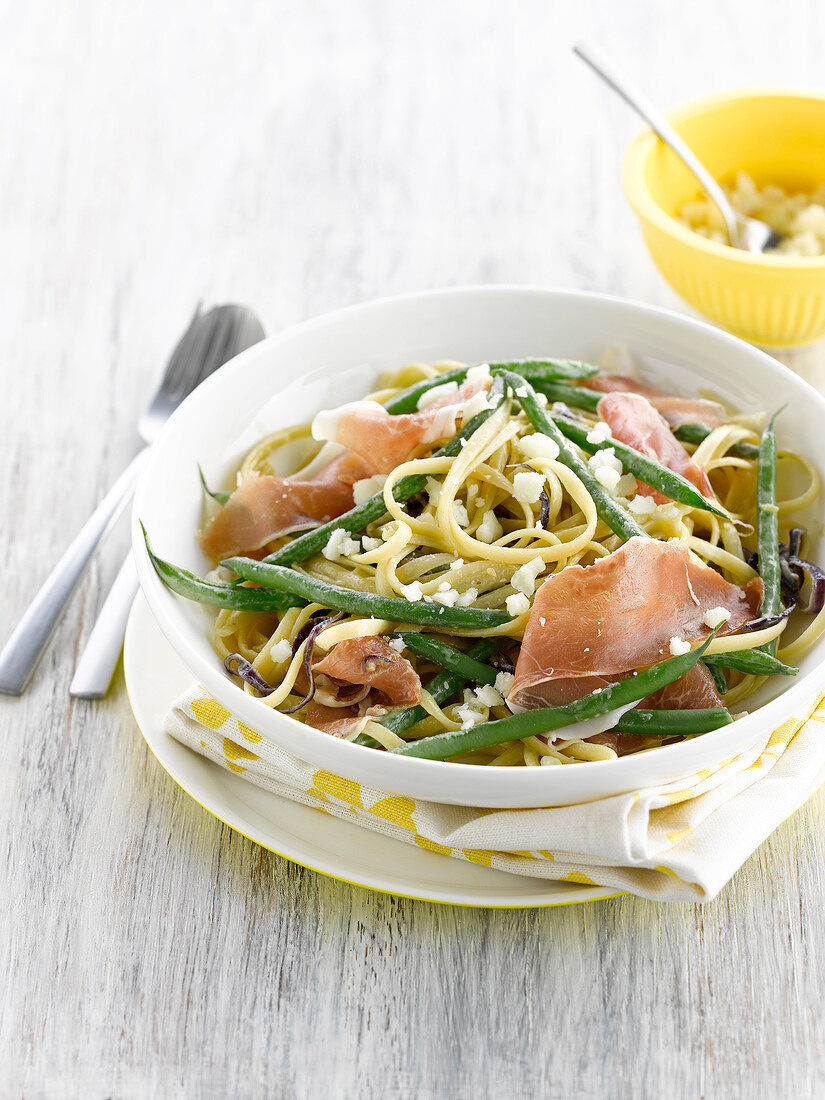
(524, 578)
(678, 646)
(626, 485)
(607, 477)
(457, 564)
(542, 399)
(397, 644)
(517, 604)
(599, 433)
(522, 391)
(527, 486)
(412, 591)
(432, 488)
(538, 445)
(469, 717)
(716, 616)
(367, 487)
(469, 713)
(605, 457)
(476, 404)
(280, 652)
(340, 545)
(642, 506)
(489, 529)
(370, 543)
(447, 598)
(444, 586)
(460, 514)
(429, 397)
(468, 598)
(488, 696)
(504, 683)
(479, 373)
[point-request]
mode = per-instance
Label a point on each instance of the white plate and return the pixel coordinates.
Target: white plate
(332, 359)
(156, 676)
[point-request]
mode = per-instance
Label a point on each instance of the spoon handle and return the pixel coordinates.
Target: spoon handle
(94, 670)
(657, 122)
(24, 648)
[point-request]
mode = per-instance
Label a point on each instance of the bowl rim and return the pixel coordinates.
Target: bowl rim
(524, 784)
(646, 208)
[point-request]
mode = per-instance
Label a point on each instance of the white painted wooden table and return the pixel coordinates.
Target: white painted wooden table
(301, 157)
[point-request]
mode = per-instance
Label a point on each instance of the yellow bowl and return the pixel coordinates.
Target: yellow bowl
(774, 136)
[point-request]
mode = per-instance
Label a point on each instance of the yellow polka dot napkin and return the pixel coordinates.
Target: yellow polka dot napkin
(678, 842)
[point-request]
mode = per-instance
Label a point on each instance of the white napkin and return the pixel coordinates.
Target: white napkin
(677, 842)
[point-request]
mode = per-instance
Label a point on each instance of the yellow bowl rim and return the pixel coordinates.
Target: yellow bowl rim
(646, 208)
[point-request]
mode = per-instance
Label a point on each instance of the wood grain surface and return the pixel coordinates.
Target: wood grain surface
(300, 157)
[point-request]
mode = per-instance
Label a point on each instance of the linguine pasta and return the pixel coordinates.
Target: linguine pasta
(480, 535)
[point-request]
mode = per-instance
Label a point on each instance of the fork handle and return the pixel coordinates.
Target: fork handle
(97, 663)
(24, 648)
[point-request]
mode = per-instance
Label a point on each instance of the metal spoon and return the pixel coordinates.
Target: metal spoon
(749, 234)
(211, 339)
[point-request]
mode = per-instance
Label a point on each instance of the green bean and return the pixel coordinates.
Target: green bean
(648, 470)
(768, 529)
(718, 675)
(544, 369)
(695, 433)
(407, 400)
(578, 396)
(616, 518)
(450, 658)
(756, 662)
(218, 495)
(365, 603)
(532, 722)
(231, 596)
(442, 687)
(673, 723)
(356, 519)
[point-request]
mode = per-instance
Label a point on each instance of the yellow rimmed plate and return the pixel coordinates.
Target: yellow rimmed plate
(156, 676)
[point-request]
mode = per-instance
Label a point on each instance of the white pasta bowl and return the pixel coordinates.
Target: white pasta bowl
(335, 358)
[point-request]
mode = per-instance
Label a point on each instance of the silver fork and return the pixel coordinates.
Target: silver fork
(211, 339)
(97, 661)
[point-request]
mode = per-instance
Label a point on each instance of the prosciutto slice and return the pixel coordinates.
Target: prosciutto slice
(694, 691)
(591, 625)
(263, 508)
(689, 410)
(386, 441)
(633, 420)
(675, 410)
(618, 383)
(372, 663)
